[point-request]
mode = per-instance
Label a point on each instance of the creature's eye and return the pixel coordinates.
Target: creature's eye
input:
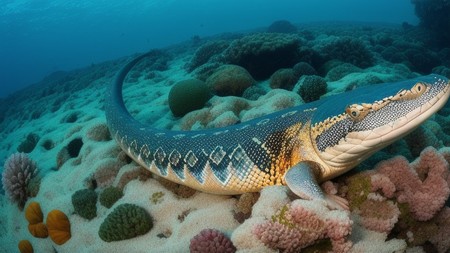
(356, 112)
(419, 88)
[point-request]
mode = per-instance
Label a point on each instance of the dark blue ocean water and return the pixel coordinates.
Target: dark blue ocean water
(39, 37)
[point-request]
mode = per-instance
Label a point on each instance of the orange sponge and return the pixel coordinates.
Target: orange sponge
(33, 213)
(58, 227)
(25, 247)
(38, 230)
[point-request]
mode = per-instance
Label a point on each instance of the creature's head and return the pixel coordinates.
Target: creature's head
(348, 128)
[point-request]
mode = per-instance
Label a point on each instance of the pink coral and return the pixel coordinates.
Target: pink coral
(379, 215)
(19, 169)
(211, 241)
(301, 224)
(441, 239)
(422, 184)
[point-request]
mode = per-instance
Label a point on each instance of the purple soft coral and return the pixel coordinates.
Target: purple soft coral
(19, 169)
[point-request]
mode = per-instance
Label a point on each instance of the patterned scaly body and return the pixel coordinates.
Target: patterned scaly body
(320, 140)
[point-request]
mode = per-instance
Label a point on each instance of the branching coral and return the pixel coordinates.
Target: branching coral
(422, 184)
(18, 171)
(302, 223)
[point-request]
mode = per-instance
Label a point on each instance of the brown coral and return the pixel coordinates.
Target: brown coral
(38, 230)
(33, 213)
(25, 246)
(58, 227)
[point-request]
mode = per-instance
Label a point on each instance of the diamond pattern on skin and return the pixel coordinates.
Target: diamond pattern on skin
(160, 155)
(174, 157)
(241, 162)
(217, 155)
(191, 159)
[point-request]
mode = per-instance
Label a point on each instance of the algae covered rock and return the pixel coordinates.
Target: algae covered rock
(84, 202)
(124, 222)
(188, 95)
(230, 80)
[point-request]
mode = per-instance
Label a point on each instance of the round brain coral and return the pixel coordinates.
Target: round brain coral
(283, 79)
(124, 222)
(211, 241)
(312, 88)
(187, 96)
(58, 227)
(230, 80)
(84, 202)
(109, 196)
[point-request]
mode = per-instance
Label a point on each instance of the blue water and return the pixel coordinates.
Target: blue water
(39, 37)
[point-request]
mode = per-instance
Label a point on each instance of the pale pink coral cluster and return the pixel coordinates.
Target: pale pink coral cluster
(18, 170)
(422, 184)
(301, 223)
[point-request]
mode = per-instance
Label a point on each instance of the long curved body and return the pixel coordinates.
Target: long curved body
(331, 136)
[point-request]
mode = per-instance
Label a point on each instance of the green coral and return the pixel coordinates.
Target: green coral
(84, 202)
(359, 186)
(188, 95)
(312, 88)
(109, 196)
(157, 197)
(124, 222)
(280, 217)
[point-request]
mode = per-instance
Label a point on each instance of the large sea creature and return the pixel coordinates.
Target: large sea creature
(299, 146)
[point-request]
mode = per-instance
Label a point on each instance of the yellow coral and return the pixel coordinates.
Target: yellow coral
(38, 230)
(58, 227)
(33, 213)
(25, 247)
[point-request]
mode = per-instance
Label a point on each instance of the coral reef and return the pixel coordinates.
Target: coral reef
(283, 79)
(256, 53)
(301, 224)
(211, 240)
(433, 15)
(229, 80)
(58, 227)
(124, 222)
(350, 50)
(422, 185)
(85, 203)
(109, 196)
(18, 171)
(282, 26)
(303, 68)
(312, 87)
(188, 95)
(205, 52)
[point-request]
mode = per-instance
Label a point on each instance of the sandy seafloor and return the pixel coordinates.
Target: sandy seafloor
(68, 106)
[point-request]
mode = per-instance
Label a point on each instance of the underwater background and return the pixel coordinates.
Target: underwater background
(67, 186)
